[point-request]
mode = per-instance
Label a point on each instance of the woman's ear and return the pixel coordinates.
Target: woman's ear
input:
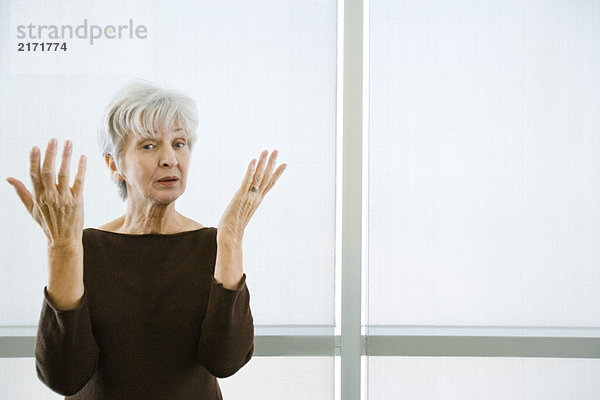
(112, 166)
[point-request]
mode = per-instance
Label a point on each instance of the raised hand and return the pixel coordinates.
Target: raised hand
(245, 202)
(57, 208)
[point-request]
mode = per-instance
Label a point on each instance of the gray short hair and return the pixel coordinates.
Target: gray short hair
(140, 108)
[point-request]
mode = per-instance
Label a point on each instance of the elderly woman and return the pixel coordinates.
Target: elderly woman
(151, 305)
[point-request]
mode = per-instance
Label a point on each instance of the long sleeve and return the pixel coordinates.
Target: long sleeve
(227, 331)
(66, 353)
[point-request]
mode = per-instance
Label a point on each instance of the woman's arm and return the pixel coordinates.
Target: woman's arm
(66, 353)
(65, 282)
(227, 331)
(228, 265)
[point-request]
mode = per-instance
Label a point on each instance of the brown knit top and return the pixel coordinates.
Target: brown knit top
(153, 322)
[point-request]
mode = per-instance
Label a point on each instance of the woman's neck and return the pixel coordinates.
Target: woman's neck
(152, 219)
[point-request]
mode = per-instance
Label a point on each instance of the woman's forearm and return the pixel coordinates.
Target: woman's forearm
(228, 266)
(65, 283)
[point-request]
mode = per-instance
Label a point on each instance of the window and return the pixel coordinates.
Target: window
(435, 232)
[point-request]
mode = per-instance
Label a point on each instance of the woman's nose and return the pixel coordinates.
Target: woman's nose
(168, 157)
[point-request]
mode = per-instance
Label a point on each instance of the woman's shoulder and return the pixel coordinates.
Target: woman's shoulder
(192, 225)
(111, 226)
(115, 225)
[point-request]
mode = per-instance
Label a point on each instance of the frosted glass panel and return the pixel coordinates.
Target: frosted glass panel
(262, 79)
(277, 376)
(282, 378)
(490, 378)
(484, 203)
(18, 380)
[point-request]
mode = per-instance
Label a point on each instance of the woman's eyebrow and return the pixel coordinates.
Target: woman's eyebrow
(142, 140)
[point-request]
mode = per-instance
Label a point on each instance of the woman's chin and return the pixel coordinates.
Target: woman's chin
(167, 196)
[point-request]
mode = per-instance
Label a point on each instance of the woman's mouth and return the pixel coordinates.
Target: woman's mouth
(168, 182)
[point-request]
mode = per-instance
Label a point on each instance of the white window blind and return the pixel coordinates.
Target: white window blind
(483, 214)
(263, 75)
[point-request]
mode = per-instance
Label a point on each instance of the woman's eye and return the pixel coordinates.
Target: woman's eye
(145, 147)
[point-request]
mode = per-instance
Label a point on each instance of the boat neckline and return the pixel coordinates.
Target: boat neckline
(149, 234)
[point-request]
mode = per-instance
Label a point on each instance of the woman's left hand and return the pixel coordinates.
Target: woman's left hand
(245, 202)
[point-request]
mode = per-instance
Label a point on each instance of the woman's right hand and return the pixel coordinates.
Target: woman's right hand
(57, 208)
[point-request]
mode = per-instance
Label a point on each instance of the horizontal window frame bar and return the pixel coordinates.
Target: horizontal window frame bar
(482, 346)
(389, 346)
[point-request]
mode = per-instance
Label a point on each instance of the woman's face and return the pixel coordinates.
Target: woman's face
(145, 161)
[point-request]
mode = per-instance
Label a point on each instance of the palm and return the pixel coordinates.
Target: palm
(245, 202)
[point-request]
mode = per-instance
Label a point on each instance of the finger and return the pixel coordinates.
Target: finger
(63, 173)
(269, 170)
(275, 177)
(34, 172)
(24, 194)
(48, 176)
(77, 190)
(248, 177)
(258, 174)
